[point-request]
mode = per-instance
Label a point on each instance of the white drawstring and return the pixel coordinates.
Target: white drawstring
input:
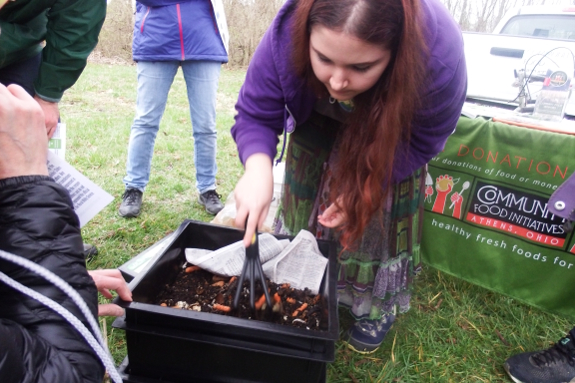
(95, 341)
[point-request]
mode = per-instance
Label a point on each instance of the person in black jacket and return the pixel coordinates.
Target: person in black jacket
(38, 223)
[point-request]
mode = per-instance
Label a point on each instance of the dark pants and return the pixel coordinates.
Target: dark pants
(22, 73)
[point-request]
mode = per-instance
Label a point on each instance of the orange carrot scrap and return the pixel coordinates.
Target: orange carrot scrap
(163, 305)
(223, 308)
(233, 279)
(260, 302)
(218, 284)
(191, 269)
(277, 298)
(301, 308)
(290, 300)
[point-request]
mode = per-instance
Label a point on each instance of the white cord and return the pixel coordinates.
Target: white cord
(97, 344)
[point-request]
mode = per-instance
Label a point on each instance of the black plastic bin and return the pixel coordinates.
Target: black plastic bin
(189, 346)
(127, 377)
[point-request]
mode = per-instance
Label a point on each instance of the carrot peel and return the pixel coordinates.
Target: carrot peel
(277, 298)
(297, 311)
(223, 308)
(191, 269)
(260, 302)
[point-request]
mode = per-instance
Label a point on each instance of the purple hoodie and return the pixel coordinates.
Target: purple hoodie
(273, 98)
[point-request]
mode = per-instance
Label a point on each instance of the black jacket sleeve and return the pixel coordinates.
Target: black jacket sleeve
(37, 222)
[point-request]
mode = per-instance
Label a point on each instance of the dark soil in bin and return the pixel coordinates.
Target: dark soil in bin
(200, 290)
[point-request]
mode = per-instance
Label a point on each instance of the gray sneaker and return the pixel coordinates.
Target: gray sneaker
(131, 203)
(553, 365)
(90, 251)
(211, 201)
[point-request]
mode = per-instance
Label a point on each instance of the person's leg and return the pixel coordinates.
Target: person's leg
(154, 81)
(22, 73)
(375, 281)
(202, 84)
(553, 365)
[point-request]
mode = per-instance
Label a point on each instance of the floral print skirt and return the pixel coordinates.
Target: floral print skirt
(376, 278)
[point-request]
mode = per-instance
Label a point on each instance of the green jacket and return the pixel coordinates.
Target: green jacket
(70, 30)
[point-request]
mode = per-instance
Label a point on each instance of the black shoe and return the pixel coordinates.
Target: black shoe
(131, 203)
(90, 251)
(554, 365)
(211, 201)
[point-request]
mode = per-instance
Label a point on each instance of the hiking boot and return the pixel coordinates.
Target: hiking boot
(211, 201)
(90, 251)
(131, 203)
(365, 336)
(553, 365)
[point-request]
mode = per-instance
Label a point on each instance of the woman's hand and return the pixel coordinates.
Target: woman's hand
(51, 114)
(253, 194)
(106, 280)
(333, 216)
(23, 141)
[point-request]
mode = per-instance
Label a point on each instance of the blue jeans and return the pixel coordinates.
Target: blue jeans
(154, 81)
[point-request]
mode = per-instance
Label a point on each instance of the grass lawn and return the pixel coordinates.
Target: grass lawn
(455, 331)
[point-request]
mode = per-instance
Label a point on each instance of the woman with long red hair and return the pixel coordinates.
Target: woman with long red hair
(369, 90)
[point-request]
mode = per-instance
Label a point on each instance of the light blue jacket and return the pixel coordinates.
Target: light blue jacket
(170, 30)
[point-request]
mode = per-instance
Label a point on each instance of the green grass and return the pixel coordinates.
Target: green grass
(455, 331)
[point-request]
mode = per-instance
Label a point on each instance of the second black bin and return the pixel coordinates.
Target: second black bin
(189, 346)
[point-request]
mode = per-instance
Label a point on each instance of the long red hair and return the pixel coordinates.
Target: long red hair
(382, 115)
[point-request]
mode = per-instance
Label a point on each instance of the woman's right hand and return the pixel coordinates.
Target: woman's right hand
(253, 194)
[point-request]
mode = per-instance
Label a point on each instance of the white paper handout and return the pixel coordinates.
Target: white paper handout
(229, 260)
(298, 262)
(88, 198)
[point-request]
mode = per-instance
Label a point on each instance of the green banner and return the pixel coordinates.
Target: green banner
(486, 218)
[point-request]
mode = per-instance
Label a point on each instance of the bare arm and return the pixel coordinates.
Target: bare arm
(253, 194)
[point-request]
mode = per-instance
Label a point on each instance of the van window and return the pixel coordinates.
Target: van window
(546, 26)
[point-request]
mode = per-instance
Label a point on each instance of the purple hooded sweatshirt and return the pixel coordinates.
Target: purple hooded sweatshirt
(274, 98)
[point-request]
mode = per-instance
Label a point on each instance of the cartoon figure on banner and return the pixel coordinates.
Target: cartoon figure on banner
(457, 200)
(444, 185)
(428, 187)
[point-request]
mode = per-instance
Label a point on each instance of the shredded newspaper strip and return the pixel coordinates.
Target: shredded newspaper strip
(298, 262)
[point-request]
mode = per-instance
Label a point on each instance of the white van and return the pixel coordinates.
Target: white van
(508, 67)
(552, 22)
